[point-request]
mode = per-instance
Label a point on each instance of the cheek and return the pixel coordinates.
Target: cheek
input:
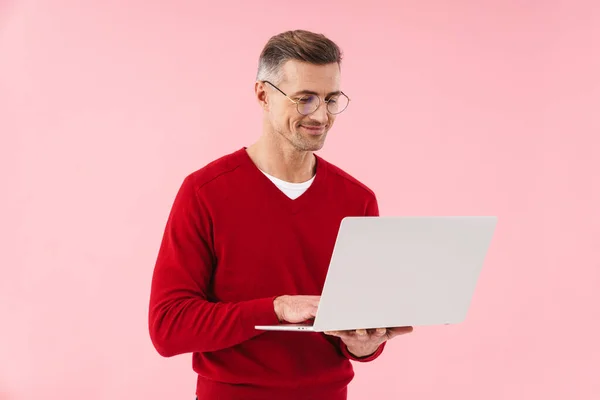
(279, 116)
(294, 120)
(285, 121)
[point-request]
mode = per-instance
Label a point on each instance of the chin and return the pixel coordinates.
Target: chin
(316, 148)
(311, 143)
(313, 146)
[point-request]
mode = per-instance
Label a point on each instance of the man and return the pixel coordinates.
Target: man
(249, 239)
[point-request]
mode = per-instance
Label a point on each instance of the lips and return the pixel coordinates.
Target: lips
(314, 129)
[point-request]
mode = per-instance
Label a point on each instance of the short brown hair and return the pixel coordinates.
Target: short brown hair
(301, 45)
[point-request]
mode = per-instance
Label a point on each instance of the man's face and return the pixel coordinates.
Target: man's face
(303, 132)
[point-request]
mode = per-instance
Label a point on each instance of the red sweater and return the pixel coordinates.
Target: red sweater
(233, 242)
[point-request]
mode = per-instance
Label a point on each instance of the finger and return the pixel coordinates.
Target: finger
(379, 332)
(362, 335)
(402, 329)
(345, 336)
(376, 333)
(393, 332)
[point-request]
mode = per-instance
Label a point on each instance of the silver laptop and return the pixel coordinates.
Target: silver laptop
(401, 271)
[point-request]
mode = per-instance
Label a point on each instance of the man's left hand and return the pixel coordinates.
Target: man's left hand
(364, 342)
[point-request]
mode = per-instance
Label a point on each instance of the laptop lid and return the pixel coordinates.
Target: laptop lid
(403, 271)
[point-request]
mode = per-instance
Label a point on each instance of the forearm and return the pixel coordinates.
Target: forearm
(187, 325)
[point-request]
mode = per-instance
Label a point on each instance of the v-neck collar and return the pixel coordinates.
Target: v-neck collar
(293, 205)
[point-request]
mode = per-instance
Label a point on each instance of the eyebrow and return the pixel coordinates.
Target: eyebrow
(315, 93)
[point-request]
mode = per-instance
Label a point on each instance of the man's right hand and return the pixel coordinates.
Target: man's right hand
(296, 309)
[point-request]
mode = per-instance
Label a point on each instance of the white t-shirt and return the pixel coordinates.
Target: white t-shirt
(292, 190)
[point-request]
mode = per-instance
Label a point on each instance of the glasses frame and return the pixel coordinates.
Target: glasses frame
(297, 102)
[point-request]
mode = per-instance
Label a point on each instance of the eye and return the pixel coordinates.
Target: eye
(308, 99)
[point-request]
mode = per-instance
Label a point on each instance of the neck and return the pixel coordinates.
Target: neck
(282, 161)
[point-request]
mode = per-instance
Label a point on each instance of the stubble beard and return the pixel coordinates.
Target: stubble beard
(304, 142)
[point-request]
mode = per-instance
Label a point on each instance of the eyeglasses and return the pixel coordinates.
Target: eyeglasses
(309, 103)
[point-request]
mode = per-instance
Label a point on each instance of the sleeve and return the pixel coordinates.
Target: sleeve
(352, 357)
(372, 208)
(181, 317)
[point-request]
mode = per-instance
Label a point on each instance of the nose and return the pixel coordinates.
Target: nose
(321, 115)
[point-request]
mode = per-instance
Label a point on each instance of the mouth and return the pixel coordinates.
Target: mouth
(314, 130)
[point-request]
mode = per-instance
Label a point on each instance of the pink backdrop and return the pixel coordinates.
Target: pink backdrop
(459, 108)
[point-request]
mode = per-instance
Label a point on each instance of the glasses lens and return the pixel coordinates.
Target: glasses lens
(337, 104)
(308, 104)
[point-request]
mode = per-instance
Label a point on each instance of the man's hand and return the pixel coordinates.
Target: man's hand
(363, 342)
(296, 309)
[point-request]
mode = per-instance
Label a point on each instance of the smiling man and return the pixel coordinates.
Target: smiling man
(249, 239)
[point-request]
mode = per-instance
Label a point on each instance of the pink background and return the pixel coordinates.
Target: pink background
(459, 108)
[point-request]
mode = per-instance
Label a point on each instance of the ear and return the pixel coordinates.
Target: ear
(260, 92)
